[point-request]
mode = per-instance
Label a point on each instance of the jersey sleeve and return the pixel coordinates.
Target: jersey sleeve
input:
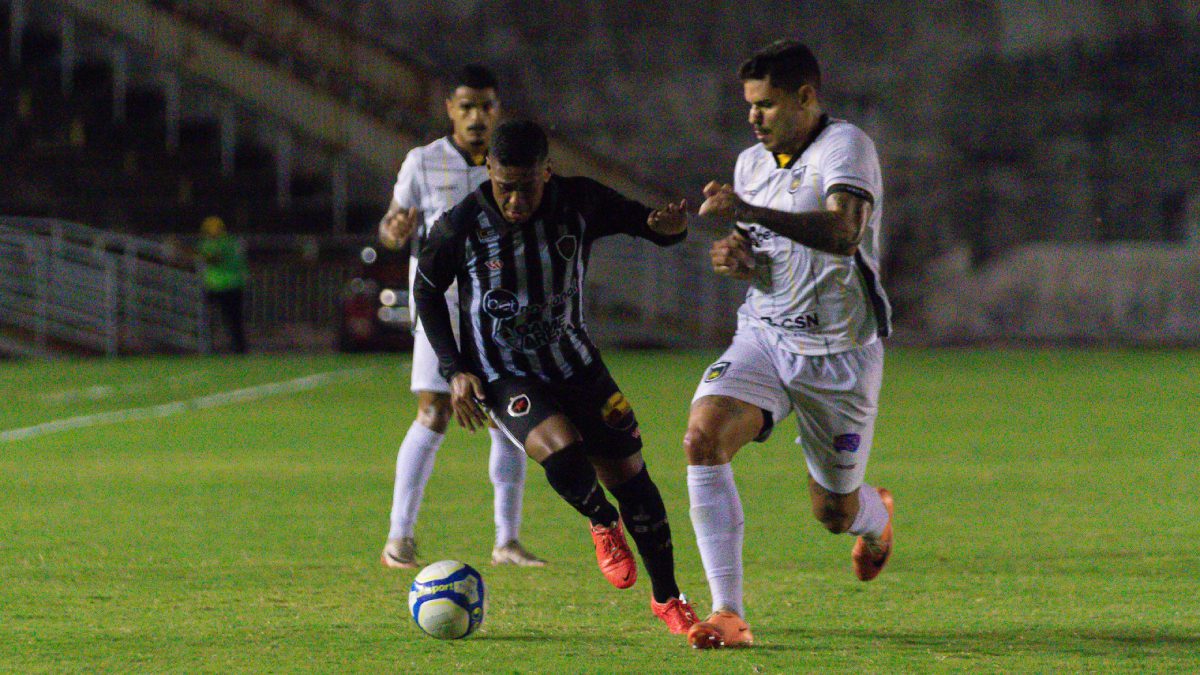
(851, 165)
(609, 212)
(741, 170)
(407, 192)
(441, 258)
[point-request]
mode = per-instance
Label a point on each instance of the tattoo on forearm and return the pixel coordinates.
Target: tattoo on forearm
(838, 230)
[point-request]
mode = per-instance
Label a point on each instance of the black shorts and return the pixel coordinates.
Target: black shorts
(590, 400)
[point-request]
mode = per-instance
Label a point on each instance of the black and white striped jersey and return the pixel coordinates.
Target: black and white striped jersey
(520, 287)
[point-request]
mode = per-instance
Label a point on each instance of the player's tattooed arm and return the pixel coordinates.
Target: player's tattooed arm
(838, 229)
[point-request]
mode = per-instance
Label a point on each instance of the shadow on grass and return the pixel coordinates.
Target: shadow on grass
(1000, 642)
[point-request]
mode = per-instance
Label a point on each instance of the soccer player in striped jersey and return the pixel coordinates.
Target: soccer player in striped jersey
(518, 249)
(807, 201)
(432, 179)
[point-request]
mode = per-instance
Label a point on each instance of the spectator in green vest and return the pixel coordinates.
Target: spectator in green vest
(225, 275)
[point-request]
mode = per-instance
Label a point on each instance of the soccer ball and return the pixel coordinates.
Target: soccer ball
(446, 600)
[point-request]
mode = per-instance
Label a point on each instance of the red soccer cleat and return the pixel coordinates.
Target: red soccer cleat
(676, 613)
(721, 629)
(613, 554)
(869, 558)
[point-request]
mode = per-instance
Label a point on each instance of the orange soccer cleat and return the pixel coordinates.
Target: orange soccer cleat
(676, 613)
(613, 554)
(870, 557)
(722, 628)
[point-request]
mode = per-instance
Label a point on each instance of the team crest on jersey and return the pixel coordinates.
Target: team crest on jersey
(797, 180)
(715, 371)
(617, 413)
(566, 245)
(519, 406)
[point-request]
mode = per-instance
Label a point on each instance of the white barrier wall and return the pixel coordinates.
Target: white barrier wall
(1126, 292)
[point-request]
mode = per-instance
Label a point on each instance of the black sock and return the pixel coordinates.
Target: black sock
(645, 518)
(574, 479)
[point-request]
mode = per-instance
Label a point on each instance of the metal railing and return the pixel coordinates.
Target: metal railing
(70, 284)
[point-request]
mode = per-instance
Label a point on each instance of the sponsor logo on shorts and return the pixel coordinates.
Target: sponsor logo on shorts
(494, 265)
(715, 371)
(519, 406)
(566, 246)
(501, 304)
(617, 413)
(844, 467)
(847, 442)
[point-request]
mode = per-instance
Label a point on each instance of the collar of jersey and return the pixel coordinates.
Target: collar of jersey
(463, 153)
(821, 124)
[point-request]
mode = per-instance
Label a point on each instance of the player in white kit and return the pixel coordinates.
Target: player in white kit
(432, 179)
(807, 201)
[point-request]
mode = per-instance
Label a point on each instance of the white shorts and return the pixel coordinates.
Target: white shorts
(836, 399)
(425, 374)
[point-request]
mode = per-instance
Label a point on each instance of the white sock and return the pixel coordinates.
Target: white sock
(506, 467)
(719, 523)
(414, 464)
(872, 515)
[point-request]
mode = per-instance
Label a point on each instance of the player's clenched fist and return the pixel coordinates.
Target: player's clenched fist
(720, 201)
(396, 227)
(732, 257)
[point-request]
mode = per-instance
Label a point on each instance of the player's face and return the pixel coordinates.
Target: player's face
(781, 118)
(518, 189)
(474, 113)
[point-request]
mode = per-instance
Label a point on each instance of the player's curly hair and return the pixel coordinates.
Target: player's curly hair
(788, 64)
(519, 143)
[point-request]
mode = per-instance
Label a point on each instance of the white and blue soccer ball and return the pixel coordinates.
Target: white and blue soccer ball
(446, 600)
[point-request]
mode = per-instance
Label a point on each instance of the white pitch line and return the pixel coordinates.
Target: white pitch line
(175, 407)
(97, 392)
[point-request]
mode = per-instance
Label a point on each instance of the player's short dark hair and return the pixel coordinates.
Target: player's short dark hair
(519, 143)
(787, 63)
(475, 76)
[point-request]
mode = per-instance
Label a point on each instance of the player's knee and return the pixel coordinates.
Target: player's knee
(434, 411)
(701, 446)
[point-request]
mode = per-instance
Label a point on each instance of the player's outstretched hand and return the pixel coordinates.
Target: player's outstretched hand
(720, 201)
(466, 391)
(397, 226)
(669, 220)
(732, 257)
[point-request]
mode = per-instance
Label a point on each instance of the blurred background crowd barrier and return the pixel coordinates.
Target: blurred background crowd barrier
(1042, 161)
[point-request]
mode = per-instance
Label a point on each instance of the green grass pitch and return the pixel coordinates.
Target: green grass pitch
(1047, 520)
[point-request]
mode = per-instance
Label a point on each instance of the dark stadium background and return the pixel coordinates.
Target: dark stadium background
(1041, 159)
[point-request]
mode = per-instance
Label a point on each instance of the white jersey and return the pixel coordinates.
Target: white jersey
(814, 302)
(434, 178)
